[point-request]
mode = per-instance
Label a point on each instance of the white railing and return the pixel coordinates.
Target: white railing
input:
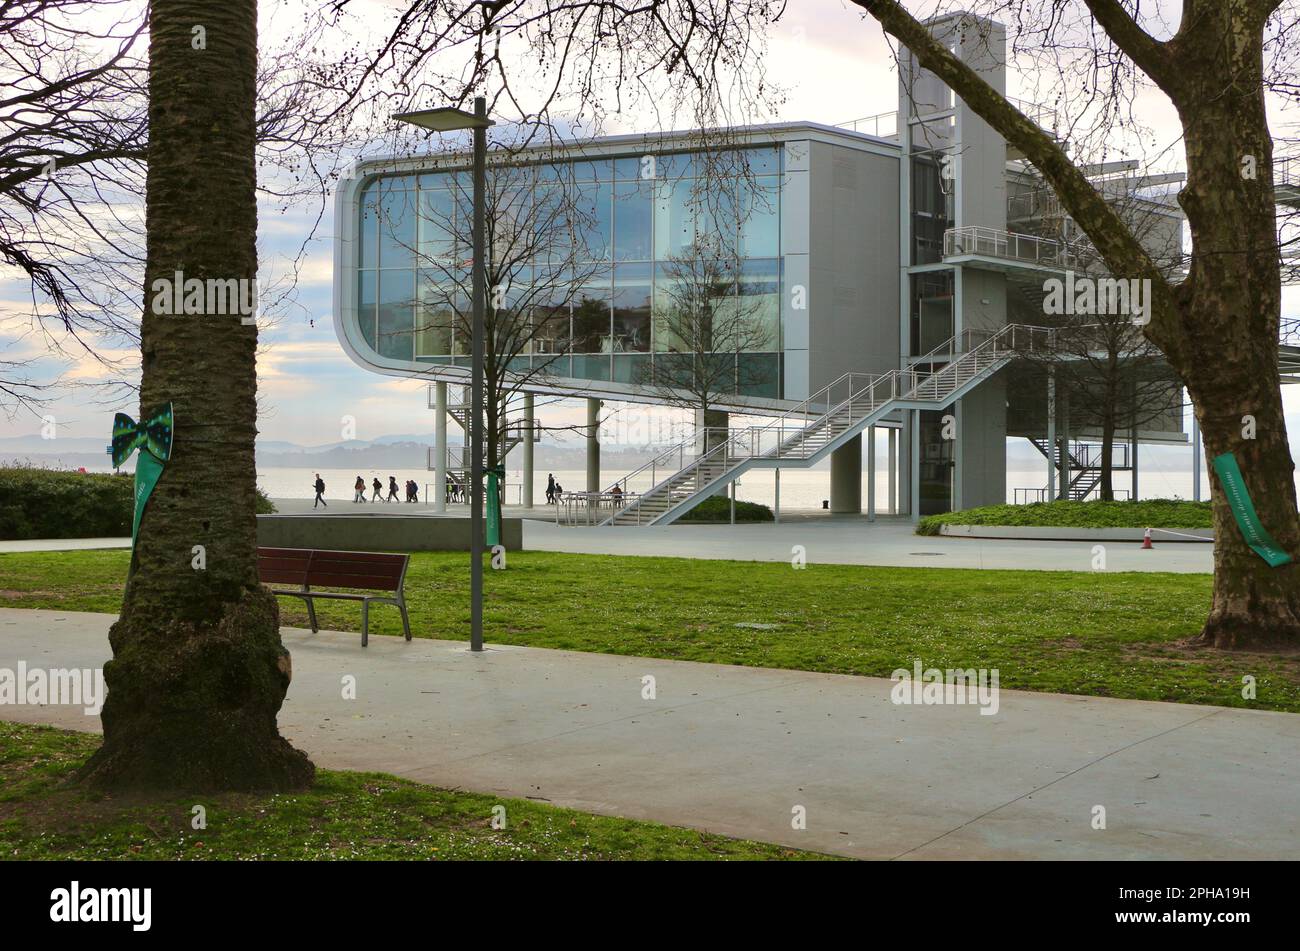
(1286, 171)
(838, 407)
(1036, 112)
(883, 125)
(1008, 245)
(587, 508)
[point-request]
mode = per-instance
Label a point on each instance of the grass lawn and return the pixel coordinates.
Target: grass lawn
(1070, 632)
(1065, 513)
(343, 816)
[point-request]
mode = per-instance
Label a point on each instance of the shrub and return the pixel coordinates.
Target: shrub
(55, 503)
(1144, 513)
(717, 508)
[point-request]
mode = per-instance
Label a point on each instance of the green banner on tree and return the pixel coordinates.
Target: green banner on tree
(153, 437)
(495, 475)
(1252, 529)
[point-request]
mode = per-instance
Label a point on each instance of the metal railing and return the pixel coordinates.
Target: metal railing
(663, 460)
(1036, 112)
(587, 508)
(1286, 171)
(883, 125)
(807, 429)
(1008, 245)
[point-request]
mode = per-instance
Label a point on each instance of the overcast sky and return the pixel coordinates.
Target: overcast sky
(833, 65)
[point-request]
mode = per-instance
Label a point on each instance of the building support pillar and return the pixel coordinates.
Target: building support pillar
(776, 509)
(871, 473)
(846, 477)
(593, 445)
(1063, 451)
(1051, 433)
(893, 471)
(526, 491)
(1134, 451)
(439, 447)
(914, 465)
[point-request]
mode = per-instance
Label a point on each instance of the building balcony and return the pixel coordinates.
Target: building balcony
(1008, 248)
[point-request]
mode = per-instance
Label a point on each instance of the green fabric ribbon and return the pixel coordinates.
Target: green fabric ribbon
(495, 475)
(152, 435)
(1252, 529)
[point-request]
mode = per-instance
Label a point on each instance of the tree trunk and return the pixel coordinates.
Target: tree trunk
(1219, 327)
(1107, 488)
(198, 671)
(1231, 306)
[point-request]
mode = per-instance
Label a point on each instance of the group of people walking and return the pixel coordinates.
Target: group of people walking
(359, 490)
(554, 490)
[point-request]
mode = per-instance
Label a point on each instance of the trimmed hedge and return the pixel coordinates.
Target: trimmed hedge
(717, 508)
(55, 503)
(1144, 513)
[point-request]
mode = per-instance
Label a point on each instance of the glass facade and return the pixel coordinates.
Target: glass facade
(633, 216)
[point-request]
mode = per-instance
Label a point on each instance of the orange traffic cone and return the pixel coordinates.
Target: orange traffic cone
(1146, 539)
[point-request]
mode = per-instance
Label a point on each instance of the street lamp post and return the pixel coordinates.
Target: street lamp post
(450, 119)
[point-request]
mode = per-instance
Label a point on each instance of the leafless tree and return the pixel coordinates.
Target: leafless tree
(705, 321)
(543, 255)
(73, 143)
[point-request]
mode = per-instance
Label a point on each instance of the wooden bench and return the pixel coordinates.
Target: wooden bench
(309, 567)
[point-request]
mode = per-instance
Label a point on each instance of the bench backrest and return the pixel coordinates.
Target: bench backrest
(372, 571)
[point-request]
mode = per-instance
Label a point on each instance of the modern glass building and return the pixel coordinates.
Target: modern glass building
(888, 245)
(641, 204)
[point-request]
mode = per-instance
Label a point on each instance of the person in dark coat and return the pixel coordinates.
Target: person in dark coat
(320, 492)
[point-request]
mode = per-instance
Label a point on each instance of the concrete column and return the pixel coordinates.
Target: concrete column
(1196, 457)
(1063, 471)
(871, 473)
(893, 471)
(1134, 451)
(914, 465)
(959, 457)
(529, 423)
(1051, 432)
(776, 509)
(439, 447)
(593, 445)
(846, 477)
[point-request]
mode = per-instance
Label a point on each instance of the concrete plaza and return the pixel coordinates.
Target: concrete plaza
(825, 539)
(736, 750)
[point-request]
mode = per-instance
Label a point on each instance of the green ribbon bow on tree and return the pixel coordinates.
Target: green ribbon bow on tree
(495, 476)
(153, 435)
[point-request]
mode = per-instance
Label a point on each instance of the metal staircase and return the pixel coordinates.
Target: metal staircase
(831, 417)
(459, 461)
(1084, 460)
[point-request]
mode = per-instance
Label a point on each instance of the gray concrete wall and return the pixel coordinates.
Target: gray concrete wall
(982, 446)
(853, 263)
(376, 532)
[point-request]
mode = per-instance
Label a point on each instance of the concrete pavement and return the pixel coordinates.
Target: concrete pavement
(843, 540)
(735, 750)
(852, 540)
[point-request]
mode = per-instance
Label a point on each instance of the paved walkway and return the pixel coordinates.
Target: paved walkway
(734, 750)
(843, 540)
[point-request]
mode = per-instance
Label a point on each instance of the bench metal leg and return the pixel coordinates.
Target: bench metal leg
(406, 624)
(311, 615)
(365, 623)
